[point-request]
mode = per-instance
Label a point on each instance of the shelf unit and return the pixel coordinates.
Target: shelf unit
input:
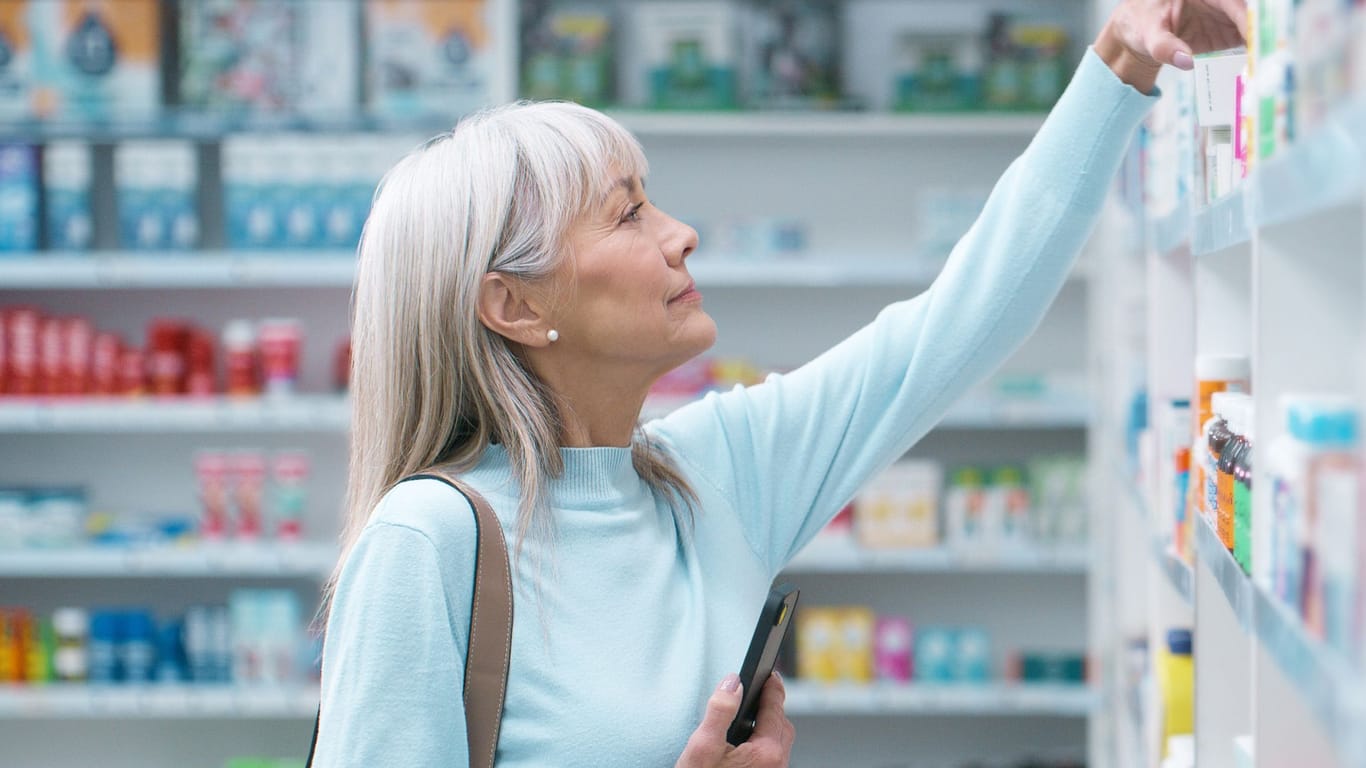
(965, 699)
(847, 557)
(331, 413)
(230, 559)
(807, 166)
(1276, 271)
(336, 269)
(167, 701)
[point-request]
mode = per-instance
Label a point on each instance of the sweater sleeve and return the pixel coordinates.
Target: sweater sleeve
(792, 450)
(393, 658)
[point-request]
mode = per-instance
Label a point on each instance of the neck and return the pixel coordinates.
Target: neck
(600, 406)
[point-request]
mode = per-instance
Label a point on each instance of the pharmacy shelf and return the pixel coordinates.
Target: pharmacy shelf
(198, 269)
(979, 413)
(1233, 583)
(963, 699)
(1167, 233)
(727, 124)
(227, 269)
(1318, 172)
(1177, 571)
(1334, 692)
(1221, 224)
(331, 413)
(169, 701)
(849, 557)
(207, 560)
(316, 413)
(828, 125)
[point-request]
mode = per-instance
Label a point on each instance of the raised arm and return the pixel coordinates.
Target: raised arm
(791, 451)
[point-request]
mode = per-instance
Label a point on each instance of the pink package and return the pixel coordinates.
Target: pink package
(248, 490)
(211, 470)
(892, 649)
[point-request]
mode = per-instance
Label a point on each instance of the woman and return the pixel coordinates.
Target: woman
(516, 298)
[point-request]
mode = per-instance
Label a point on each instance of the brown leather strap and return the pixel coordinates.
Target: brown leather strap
(490, 646)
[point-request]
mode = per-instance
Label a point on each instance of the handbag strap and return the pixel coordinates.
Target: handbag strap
(490, 642)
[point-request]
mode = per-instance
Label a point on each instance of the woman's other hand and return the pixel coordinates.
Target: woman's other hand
(770, 746)
(1142, 35)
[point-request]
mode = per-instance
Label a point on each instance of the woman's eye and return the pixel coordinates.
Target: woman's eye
(633, 215)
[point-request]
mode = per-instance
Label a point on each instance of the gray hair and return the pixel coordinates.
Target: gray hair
(429, 383)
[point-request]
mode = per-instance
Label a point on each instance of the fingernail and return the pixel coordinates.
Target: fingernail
(731, 683)
(1183, 60)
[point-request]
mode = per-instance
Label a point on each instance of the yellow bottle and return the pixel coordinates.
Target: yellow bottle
(1176, 685)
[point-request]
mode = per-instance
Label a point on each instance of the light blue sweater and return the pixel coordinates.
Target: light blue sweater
(635, 623)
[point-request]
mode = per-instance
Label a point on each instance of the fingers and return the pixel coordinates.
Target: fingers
(707, 745)
(1236, 10)
(1167, 48)
(772, 722)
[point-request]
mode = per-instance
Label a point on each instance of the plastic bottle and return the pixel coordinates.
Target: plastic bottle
(1327, 426)
(1176, 682)
(1236, 409)
(1242, 497)
(241, 359)
(1213, 373)
(963, 507)
(70, 659)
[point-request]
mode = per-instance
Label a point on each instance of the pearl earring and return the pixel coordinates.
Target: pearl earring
(553, 335)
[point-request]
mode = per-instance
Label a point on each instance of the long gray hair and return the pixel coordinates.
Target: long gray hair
(429, 382)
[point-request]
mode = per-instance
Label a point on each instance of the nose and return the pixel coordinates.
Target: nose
(680, 242)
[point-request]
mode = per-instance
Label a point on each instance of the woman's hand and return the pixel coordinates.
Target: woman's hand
(1142, 35)
(770, 746)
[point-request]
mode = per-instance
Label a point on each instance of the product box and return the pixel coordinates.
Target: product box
(295, 56)
(427, 58)
(683, 55)
(93, 59)
(567, 54)
(1216, 75)
(900, 507)
(156, 185)
(937, 72)
(66, 191)
(791, 54)
(16, 62)
(852, 651)
(817, 635)
(18, 198)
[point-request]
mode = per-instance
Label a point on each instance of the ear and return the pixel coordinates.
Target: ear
(509, 308)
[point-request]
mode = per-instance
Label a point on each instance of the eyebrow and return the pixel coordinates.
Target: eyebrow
(625, 182)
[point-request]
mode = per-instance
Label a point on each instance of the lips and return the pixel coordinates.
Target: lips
(687, 294)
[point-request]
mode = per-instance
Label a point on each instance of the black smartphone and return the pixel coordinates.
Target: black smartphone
(761, 656)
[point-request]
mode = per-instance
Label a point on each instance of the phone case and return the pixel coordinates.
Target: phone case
(769, 633)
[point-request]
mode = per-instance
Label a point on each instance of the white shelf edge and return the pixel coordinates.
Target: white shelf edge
(1317, 172)
(336, 269)
(1334, 693)
(1177, 571)
(209, 560)
(1220, 225)
(156, 701)
(322, 413)
(827, 125)
(178, 269)
(965, 699)
(847, 557)
(1233, 583)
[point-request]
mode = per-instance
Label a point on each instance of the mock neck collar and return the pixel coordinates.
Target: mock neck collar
(594, 478)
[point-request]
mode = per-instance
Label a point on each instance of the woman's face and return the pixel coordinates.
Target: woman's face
(630, 303)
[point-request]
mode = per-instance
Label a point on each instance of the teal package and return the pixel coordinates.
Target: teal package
(18, 198)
